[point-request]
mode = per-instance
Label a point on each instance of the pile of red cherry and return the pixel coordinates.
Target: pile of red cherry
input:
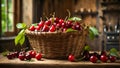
(94, 57)
(55, 24)
(24, 55)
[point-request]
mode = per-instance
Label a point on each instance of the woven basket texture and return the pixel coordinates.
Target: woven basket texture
(57, 45)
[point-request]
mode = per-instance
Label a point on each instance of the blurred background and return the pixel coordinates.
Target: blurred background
(103, 14)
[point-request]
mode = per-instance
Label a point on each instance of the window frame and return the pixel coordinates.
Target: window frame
(17, 17)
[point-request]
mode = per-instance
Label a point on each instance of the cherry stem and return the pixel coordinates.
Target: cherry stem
(69, 14)
(53, 16)
(66, 18)
(46, 17)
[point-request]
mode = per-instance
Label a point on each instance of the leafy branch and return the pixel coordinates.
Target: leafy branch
(20, 38)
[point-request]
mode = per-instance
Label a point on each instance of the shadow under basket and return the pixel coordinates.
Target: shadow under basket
(57, 45)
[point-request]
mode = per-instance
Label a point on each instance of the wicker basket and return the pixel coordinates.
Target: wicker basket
(57, 45)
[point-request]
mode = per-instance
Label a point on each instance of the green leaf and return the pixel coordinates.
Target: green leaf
(35, 24)
(5, 53)
(20, 37)
(22, 31)
(22, 40)
(113, 50)
(93, 32)
(87, 48)
(113, 54)
(75, 19)
(70, 30)
(21, 25)
(17, 38)
(91, 35)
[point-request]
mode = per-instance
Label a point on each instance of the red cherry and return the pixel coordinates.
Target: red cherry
(28, 56)
(61, 20)
(13, 55)
(77, 23)
(9, 56)
(96, 54)
(52, 28)
(103, 58)
(103, 53)
(45, 28)
(41, 24)
(37, 28)
(38, 56)
(56, 20)
(30, 51)
(48, 22)
(71, 58)
(32, 28)
(33, 53)
(54, 24)
(112, 58)
(86, 57)
(93, 59)
(77, 27)
(16, 54)
(63, 24)
(69, 24)
(21, 56)
(58, 25)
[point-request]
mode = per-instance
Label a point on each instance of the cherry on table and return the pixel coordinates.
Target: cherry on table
(112, 58)
(93, 59)
(9, 56)
(71, 58)
(21, 56)
(38, 56)
(28, 56)
(103, 58)
(33, 53)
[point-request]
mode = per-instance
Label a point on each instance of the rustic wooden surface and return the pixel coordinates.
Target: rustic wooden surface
(45, 63)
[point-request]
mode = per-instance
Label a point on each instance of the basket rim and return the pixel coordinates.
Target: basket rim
(38, 32)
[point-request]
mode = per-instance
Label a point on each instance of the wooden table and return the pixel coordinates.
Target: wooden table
(49, 63)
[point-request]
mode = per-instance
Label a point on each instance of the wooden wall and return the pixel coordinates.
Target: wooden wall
(27, 11)
(34, 9)
(45, 8)
(91, 20)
